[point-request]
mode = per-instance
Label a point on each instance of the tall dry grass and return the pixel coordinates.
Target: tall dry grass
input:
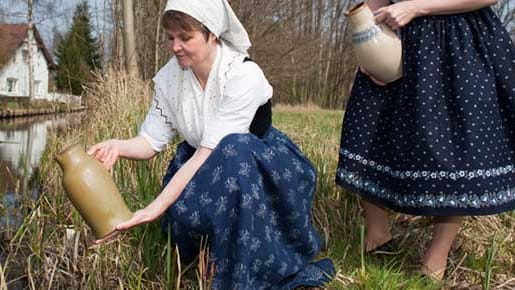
(52, 249)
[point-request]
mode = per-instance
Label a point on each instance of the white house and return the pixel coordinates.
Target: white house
(14, 62)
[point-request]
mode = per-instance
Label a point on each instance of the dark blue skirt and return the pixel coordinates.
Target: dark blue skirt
(252, 200)
(441, 140)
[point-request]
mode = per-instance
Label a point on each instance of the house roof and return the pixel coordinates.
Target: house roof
(12, 37)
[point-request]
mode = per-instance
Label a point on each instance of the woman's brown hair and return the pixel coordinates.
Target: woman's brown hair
(175, 20)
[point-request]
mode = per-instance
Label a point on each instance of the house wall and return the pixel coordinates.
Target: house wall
(18, 68)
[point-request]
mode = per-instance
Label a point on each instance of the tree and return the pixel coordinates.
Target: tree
(506, 11)
(77, 53)
(131, 62)
(29, 47)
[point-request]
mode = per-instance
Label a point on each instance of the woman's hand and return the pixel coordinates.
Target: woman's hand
(397, 15)
(143, 216)
(376, 81)
(139, 217)
(106, 152)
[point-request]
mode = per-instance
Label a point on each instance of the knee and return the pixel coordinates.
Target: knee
(236, 144)
(235, 138)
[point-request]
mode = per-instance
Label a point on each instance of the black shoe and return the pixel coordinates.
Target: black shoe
(388, 248)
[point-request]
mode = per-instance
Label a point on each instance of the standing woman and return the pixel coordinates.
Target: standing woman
(235, 180)
(440, 141)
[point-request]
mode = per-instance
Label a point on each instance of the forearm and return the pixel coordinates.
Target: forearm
(439, 7)
(179, 181)
(376, 4)
(136, 148)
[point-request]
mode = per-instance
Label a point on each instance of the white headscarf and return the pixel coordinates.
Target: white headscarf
(218, 17)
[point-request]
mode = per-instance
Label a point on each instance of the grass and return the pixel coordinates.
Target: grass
(51, 249)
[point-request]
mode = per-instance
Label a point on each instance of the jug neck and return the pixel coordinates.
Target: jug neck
(360, 17)
(70, 156)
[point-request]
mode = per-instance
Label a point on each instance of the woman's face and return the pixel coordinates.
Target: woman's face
(190, 47)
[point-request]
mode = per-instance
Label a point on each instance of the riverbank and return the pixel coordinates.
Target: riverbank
(12, 113)
(11, 107)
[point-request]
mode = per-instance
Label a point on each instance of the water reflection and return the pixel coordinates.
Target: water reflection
(22, 143)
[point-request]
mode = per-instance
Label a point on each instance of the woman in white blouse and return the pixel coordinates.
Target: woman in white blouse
(235, 179)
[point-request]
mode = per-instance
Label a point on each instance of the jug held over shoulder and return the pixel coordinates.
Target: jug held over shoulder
(92, 191)
(377, 48)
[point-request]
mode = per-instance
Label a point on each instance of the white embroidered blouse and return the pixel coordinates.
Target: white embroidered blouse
(234, 91)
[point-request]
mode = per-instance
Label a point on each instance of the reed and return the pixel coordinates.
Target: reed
(3, 285)
(51, 249)
(492, 251)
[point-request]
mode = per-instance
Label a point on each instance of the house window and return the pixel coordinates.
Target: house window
(11, 85)
(37, 87)
(25, 55)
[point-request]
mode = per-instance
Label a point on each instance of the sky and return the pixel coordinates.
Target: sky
(52, 15)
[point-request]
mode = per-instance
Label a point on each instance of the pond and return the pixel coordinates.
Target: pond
(22, 144)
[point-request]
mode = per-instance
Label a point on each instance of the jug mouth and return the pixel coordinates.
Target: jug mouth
(67, 148)
(356, 8)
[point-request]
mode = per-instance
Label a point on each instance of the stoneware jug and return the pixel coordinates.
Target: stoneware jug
(378, 49)
(92, 192)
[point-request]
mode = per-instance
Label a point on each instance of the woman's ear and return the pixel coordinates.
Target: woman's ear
(212, 37)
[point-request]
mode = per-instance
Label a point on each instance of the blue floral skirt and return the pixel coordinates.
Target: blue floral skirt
(441, 140)
(252, 200)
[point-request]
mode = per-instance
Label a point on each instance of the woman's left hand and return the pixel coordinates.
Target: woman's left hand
(140, 217)
(397, 15)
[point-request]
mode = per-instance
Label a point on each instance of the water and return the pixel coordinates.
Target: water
(22, 143)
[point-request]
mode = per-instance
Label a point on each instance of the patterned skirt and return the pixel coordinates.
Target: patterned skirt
(252, 200)
(441, 140)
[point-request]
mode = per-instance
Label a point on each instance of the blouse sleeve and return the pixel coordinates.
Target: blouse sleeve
(157, 128)
(244, 92)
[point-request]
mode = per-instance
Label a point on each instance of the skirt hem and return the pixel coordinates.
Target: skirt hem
(427, 211)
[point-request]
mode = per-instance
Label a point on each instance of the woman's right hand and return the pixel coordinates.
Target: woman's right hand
(106, 152)
(376, 81)
(397, 15)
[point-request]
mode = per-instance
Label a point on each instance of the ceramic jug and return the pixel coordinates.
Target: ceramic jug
(378, 49)
(92, 192)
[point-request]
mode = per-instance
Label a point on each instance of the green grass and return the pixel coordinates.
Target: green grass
(473, 262)
(51, 249)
